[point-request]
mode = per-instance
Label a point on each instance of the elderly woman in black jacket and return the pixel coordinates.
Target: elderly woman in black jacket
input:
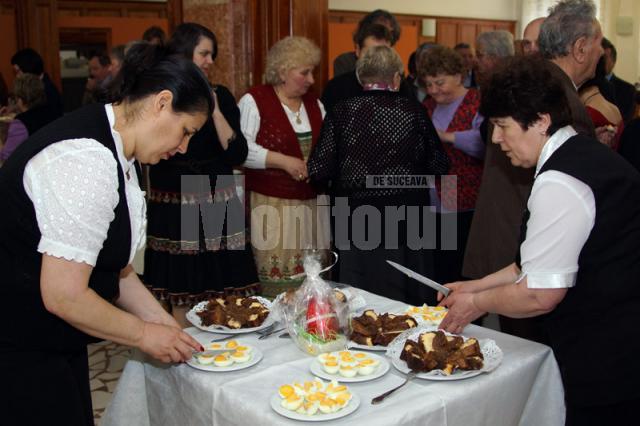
(374, 153)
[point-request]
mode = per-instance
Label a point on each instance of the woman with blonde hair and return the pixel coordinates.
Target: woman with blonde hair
(281, 121)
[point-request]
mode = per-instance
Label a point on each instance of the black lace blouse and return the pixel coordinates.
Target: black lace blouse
(378, 133)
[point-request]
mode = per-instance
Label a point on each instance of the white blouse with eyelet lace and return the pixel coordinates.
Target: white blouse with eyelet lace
(73, 185)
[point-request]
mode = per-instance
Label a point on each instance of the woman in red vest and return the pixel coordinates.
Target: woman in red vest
(454, 112)
(281, 121)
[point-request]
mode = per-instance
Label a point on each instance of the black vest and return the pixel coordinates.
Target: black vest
(593, 331)
(23, 313)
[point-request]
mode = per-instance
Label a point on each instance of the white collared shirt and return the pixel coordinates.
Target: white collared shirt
(562, 214)
(73, 185)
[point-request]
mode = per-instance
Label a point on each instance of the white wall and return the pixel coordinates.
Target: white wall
(481, 9)
(628, 66)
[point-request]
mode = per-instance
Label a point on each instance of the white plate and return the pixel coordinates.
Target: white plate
(383, 367)
(490, 351)
(319, 417)
(194, 319)
(256, 356)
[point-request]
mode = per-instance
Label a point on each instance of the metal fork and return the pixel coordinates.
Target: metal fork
(265, 335)
(379, 399)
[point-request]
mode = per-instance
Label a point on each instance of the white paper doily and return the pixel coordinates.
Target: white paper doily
(194, 319)
(490, 351)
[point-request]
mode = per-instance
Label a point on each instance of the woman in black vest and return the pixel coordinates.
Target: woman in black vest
(579, 260)
(74, 216)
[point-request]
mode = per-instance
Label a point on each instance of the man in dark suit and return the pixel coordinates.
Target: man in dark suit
(624, 93)
(29, 61)
(347, 85)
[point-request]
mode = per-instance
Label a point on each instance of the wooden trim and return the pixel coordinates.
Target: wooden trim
(174, 13)
(7, 7)
(132, 9)
(347, 16)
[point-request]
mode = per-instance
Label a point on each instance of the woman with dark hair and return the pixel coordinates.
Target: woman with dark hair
(579, 260)
(453, 109)
(602, 112)
(196, 228)
(73, 220)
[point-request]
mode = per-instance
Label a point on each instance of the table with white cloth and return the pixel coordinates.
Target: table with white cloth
(525, 389)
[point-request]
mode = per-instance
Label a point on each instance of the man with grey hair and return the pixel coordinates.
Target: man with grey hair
(566, 38)
(570, 38)
(491, 48)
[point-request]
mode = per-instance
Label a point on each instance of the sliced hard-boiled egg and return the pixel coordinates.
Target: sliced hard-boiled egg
(360, 356)
(312, 407)
(222, 361)
(286, 391)
(215, 346)
(232, 344)
(324, 357)
(335, 389)
(342, 399)
(331, 367)
(326, 406)
(247, 349)
(240, 356)
(348, 371)
(205, 359)
(293, 402)
(367, 366)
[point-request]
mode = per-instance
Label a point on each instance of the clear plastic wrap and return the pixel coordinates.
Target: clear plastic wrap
(314, 317)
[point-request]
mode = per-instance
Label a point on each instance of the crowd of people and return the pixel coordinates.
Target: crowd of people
(519, 166)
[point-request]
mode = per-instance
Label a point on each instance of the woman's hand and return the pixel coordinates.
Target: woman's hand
(462, 310)
(296, 168)
(448, 137)
(606, 135)
(167, 344)
(470, 286)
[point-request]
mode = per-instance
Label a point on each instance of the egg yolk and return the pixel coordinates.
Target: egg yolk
(292, 398)
(331, 363)
(220, 358)
(232, 344)
(367, 362)
(286, 391)
(241, 348)
(360, 355)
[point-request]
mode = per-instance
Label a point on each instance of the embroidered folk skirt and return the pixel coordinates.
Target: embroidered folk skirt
(183, 256)
(282, 231)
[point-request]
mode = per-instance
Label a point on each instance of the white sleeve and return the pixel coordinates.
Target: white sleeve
(562, 215)
(73, 185)
(250, 125)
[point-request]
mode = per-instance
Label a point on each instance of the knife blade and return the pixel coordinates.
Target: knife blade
(420, 278)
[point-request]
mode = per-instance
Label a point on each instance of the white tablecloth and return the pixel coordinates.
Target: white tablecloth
(525, 389)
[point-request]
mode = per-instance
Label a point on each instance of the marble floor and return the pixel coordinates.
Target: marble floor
(106, 361)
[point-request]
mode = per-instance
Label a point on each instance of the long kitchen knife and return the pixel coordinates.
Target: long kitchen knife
(420, 278)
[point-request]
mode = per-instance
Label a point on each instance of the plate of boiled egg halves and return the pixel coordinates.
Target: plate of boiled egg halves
(349, 366)
(220, 357)
(314, 400)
